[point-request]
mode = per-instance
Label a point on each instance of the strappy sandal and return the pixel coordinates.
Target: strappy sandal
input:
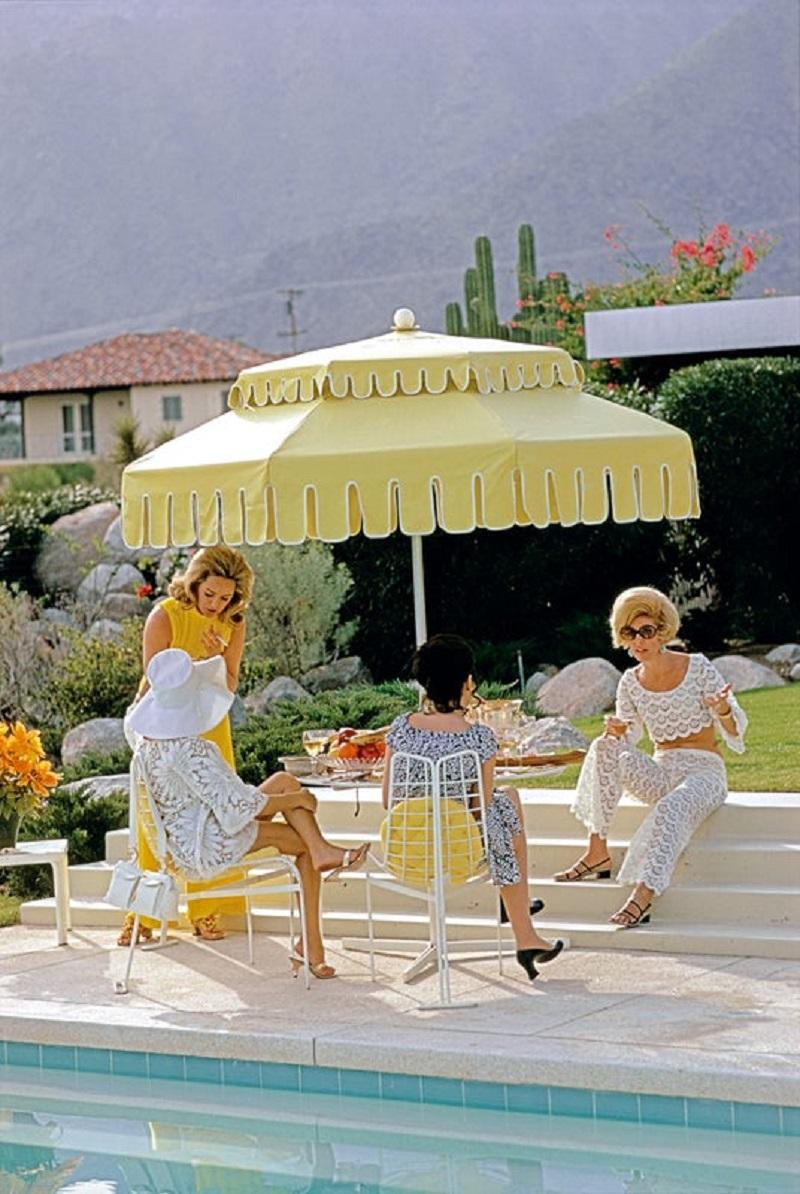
(351, 861)
(581, 870)
(144, 933)
(207, 927)
(640, 917)
(320, 970)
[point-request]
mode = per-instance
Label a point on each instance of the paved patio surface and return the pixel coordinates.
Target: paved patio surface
(716, 1027)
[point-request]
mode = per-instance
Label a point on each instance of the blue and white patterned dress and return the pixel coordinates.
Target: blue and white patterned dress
(502, 819)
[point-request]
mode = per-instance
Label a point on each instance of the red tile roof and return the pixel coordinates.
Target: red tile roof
(136, 358)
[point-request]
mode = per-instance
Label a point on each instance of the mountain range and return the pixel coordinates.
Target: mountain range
(185, 162)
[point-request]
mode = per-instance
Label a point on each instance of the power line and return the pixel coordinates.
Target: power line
(293, 332)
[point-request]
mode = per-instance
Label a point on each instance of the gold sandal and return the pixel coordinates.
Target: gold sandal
(207, 927)
(318, 969)
(144, 933)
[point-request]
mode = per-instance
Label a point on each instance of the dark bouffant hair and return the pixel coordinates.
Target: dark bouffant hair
(442, 665)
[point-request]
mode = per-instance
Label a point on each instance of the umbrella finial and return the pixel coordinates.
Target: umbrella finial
(404, 320)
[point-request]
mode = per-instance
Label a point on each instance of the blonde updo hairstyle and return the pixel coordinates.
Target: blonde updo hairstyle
(221, 561)
(648, 603)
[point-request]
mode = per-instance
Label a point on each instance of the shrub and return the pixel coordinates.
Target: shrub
(25, 666)
(294, 617)
(95, 678)
(744, 420)
(259, 743)
(82, 821)
(23, 519)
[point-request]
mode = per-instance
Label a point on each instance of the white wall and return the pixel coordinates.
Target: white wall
(200, 401)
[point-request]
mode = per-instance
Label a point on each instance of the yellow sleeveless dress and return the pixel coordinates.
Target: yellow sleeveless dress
(187, 627)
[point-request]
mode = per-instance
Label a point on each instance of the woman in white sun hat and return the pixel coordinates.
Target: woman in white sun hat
(211, 817)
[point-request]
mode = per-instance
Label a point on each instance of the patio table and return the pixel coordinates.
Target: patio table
(55, 854)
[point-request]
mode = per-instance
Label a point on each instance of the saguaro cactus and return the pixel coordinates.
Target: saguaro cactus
(526, 262)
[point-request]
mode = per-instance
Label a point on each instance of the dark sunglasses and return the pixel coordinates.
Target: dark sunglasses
(629, 633)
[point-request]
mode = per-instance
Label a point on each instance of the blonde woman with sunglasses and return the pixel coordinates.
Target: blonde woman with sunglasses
(684, 703)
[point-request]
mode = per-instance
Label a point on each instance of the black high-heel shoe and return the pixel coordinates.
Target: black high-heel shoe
(527, 958)
(536, 906)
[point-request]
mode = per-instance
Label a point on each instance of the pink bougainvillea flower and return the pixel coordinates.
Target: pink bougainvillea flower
(560, 325)
(708, 255)
(144, 591)
(720, 236)
(747, 258)
(615, 362)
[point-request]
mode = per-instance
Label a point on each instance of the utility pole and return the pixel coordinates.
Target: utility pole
(293, 331)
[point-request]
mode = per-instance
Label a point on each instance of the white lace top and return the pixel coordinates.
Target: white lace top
(680, 711)
(206, 810)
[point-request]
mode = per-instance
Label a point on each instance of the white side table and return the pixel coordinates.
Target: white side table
(54, 853)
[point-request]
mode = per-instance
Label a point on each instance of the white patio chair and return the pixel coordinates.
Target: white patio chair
(261, 870)
(433, 839)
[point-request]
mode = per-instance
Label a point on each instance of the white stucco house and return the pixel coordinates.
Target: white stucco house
(67, 407)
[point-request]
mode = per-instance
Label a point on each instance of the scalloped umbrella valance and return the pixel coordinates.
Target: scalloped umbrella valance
(410, 430)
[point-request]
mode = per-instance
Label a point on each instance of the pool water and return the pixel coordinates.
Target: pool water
(69, 1133)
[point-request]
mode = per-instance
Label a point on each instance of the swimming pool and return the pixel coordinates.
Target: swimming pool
(133, 1123)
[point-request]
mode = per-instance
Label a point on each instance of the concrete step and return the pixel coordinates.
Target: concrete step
(117, 844)
(89, 880)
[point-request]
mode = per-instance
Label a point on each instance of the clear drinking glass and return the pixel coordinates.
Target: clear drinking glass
(316, 743)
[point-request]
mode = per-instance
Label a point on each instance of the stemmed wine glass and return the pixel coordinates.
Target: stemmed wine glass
(315, 743)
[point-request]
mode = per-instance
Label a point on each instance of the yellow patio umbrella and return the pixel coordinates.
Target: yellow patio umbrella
(410, 430)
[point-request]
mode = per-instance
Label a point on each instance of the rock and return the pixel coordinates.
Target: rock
(117, 550)
(237, 712)
(282, 688)
(794, 673)
(784, 656)
(535, 682)
(59, 617)
(581, 689)
(553, 735)
(98, 786)
(106, 629)
(72, 545)
(119, 606)
(109, 578)
(99, 736)
(340, 674)
(744, 673)
(173, 560)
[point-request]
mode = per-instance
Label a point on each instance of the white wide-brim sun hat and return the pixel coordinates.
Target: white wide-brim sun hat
(185, 698)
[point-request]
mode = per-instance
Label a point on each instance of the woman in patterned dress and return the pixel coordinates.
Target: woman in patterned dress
(444, 667)
(683, 701)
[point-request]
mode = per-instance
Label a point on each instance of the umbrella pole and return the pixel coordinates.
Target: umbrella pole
(418, 573)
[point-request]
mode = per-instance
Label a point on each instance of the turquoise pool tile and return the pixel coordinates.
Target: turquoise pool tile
(94, 1061)
(757, 1117)
(709, 1113)
(570, 1100)
(407, 1087)
(128, 1064)
(166, 1065)
(491, 1095)
(22, 1053)
(2, 1053)
(662, 1109)
(277, 1075)
(360, 1083)
(59, 1057)
(528, 1098)
(241, 1073)
(448, 1091)
(616, 1104)
(203, 1069)
(319, 1079)
(791, 1121)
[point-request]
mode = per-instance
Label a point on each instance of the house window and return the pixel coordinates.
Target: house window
(171, 410)
(11, 447)
(77, 434)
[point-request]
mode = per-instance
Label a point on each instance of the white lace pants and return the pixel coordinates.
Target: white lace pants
(683, 786)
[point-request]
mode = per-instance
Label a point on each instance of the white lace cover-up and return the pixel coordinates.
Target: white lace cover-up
(684, 786)
(207, 811)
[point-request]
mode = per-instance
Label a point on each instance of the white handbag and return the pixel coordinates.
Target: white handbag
(150, 893)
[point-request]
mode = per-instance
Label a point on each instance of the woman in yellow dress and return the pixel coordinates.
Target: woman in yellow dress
(204, 614)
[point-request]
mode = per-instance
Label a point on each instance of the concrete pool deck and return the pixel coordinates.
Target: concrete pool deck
(655, 1023)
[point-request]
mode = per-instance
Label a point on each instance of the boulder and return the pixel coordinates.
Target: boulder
(744, 673)
(581, 689)
(119, 606)
(105, 629)
(72, 545)
(109, 578)
(59, 617)
(172, 560)
(535, 682)
(117, 550)
(784, 656)
(340, 674)
(99, 736)
(552, 735)
(237, 712)
(794, 673)
(282, 688)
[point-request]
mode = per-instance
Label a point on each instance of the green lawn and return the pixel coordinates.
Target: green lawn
(771, 762)
(9, 910)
